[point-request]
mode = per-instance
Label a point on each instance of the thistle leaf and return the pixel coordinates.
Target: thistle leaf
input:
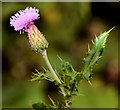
(67, 68)
(47, 76)
(94, 54)
(70, 79)
(67, 72)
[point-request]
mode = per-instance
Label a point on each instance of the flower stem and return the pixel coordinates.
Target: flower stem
(44, 54)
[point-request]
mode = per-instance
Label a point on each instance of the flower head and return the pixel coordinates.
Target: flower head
(23, 20)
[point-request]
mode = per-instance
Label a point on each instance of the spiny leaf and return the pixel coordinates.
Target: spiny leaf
(94, 54)
(47, 76)
(67, 72)
(67, 68)
(70, 78)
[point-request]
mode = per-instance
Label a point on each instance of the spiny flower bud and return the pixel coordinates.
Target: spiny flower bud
(36, 39)
(23, 21)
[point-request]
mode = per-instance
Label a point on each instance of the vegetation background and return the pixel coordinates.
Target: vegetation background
(68, 27)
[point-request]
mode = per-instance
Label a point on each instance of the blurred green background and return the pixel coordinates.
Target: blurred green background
(68, 27)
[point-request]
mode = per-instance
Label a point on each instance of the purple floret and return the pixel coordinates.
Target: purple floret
(21, 19)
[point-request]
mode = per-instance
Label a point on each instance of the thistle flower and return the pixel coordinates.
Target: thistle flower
(24, 21)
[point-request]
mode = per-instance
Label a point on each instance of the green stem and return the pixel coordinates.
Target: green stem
(44, 54)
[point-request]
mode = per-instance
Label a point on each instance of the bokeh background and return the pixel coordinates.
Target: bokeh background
(68, 27)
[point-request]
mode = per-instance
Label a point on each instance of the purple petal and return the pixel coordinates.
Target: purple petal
(24, 17)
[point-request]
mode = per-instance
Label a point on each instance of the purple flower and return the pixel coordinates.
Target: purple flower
(23, 20)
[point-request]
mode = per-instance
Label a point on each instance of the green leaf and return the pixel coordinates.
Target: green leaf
(94, 54)
(70, 79)
(67, 68)
(47, 76)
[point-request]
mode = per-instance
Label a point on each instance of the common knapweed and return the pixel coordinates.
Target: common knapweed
(23, 21)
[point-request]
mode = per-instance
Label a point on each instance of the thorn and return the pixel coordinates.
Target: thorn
(36, 70)
(92, 42)
(110, 29)
(72, 67)
(55, 69)
(59, 58)
(95, 35)
(43, 68)
(88, 47)
(62, 81)
(60, 92)
(33, 73)
(51, 100)
(81, 95)
(100, 57)
(90, 83)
